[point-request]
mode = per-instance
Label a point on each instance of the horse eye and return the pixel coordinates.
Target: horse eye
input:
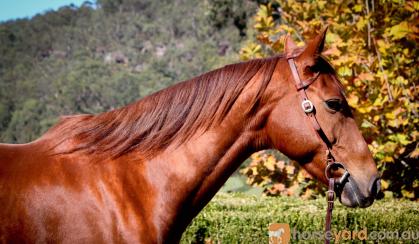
(334, 104)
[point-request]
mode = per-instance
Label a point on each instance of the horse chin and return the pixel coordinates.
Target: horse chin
(351, 196)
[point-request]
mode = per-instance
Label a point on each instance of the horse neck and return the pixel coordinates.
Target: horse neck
(189, 176)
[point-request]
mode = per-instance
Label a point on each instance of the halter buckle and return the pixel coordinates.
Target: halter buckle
(307, 106)
(330, 195)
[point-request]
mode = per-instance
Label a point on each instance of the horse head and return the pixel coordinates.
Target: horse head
(318, 96)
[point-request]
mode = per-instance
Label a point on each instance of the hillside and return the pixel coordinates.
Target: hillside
(107, 54)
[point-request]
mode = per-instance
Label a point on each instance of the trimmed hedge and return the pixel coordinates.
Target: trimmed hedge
(239, 218)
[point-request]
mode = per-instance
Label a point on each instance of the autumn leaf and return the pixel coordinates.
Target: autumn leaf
(366, 76)
(399, 31)
(353, 100)
(375, 56)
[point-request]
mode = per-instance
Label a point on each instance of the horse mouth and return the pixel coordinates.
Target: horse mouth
(351, 196)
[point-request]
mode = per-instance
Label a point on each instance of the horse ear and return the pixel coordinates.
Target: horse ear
(315, 46)
(289, 44)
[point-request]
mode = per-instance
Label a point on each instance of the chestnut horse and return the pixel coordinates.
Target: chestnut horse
(139, 174)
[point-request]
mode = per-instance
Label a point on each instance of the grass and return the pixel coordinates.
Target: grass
(241, 218)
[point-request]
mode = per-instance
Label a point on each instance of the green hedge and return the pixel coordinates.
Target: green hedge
(239, 218)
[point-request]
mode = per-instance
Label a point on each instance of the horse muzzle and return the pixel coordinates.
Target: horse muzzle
(350, 194)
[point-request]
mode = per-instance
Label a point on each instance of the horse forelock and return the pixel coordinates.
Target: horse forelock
(171, 115)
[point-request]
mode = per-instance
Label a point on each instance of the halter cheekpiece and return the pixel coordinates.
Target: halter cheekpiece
(309, 109)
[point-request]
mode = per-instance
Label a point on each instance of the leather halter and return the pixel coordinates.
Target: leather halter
(309, 109)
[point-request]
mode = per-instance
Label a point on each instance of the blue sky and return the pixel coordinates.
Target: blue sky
(13, 9)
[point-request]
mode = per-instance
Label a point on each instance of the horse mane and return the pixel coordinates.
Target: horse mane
(172, 114)
(324, 66)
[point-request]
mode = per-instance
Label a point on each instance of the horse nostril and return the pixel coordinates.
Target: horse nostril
(375, 187)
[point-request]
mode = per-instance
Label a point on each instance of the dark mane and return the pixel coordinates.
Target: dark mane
(174, 113)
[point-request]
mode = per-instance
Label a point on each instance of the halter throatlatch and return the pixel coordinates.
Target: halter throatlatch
(335, 185)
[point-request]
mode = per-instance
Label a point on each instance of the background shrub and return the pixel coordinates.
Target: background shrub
(240, 218)
(373, 47)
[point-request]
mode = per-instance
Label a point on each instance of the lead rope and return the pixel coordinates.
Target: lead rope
(330, 195)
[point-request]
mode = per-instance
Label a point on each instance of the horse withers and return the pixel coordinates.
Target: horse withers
(139, 174)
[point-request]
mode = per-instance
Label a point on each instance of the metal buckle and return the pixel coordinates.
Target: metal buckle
(307, 106)
(329, 197)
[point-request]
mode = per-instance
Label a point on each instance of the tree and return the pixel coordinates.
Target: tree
(373, 46)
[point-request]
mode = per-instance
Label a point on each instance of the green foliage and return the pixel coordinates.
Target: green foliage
(373, 46)
(242, 218)
(25, 122)
(96, 58)
(222, 13)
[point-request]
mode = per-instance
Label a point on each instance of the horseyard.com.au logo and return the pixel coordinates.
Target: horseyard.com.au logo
(279, 233)
(282, 234)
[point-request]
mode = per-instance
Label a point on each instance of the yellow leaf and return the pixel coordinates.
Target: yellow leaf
(390, 115)
(333, 38)
(353, 100)
(321, 4)
(414, 153)
(384, 184)
(290, 169)
(408, 194)
(367, 124)
(255, 156)
(400, 81)
(388, 159)
(389, 147)
(270, 163)
(388, 194)
(364, 109)
(358, 8)
(344, 71)
(399, 31)
(379, 101)
(366, 76)
(362, 22)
